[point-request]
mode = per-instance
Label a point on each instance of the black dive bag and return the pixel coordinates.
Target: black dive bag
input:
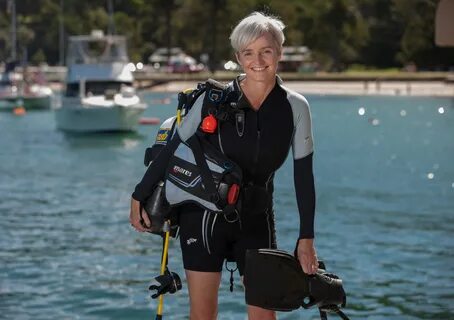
(274, 280)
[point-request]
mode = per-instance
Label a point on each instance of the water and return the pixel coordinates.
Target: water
(385, 190)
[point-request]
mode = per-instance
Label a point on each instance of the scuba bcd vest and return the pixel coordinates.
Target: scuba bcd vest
(198, 172)
(201, 174)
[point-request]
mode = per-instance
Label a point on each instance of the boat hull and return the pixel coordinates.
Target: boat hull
(29, 103)
(8, 104)
(37, 103)
(98, 119)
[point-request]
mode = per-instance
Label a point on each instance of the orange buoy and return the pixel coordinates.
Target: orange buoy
(149, 120)
(19, 111)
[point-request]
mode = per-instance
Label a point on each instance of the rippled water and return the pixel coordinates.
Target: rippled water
(385, 189)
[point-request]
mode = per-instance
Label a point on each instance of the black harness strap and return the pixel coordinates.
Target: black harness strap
(324, 316)
(207, 179)
(342, 315)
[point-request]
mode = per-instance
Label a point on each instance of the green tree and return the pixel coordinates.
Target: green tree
(417, 44)
(38, 57)
(379, 33)
(385, 33)
(5, 37)
(335, 30)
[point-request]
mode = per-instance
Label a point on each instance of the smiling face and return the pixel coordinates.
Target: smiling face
(260, 58)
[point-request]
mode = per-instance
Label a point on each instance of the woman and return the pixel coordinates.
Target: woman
(275, 118)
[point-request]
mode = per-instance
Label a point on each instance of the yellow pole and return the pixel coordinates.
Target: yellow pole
(166, 228)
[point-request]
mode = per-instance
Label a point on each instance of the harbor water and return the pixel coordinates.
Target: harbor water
(384, 170)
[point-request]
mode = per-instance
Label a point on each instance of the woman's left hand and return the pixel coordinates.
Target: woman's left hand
(307, 256)
(138, 217)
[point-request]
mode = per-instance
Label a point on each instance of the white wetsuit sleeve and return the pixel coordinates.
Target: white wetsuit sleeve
(303, 148)
(302, 144)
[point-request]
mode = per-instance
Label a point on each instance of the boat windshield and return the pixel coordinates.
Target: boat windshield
(95, 87)
(89, 49)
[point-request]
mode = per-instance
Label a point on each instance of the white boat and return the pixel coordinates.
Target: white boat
(30, 93)
(99, 86)
(22, 89)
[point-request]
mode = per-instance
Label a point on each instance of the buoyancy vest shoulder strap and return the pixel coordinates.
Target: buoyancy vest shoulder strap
(207, 179)
(211, 97)
(216, 92)
(187, 98)
(219, 99)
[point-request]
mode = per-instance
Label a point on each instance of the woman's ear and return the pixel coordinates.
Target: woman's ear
(237, 56)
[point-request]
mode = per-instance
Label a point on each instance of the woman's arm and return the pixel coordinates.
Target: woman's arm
(303, 150)
(305, 195)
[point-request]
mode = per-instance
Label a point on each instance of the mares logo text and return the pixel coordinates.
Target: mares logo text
(178, 169)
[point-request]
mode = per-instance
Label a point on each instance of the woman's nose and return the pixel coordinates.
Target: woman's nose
(258, 58)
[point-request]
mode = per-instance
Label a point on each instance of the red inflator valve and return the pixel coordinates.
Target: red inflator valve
(232, 196)
(209, 124)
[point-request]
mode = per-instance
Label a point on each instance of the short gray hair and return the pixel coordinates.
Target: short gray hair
(253, 27)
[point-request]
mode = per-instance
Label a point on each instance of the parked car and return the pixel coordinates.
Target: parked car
(179, 61)
(295, 58)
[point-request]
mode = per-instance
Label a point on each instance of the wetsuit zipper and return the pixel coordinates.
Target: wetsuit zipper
(257, 147)
(257, 150)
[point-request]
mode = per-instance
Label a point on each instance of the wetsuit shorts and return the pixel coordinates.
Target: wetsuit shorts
(208, 239)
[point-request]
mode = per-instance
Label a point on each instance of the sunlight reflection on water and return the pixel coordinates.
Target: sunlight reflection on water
(385, 193)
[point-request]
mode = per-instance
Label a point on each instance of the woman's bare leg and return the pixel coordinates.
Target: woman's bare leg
(257, 313)
(203, 294)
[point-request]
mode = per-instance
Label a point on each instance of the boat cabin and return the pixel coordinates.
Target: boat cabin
(97, 63)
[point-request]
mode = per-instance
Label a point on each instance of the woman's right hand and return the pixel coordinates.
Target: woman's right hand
(307, 255)
(139, 218)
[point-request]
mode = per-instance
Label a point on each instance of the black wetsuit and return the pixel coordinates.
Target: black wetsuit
(282, 121)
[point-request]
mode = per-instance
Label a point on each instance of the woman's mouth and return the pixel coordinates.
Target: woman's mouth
(258, 68)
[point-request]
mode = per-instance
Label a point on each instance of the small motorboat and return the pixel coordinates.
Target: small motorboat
(27, 92)
(99, 95)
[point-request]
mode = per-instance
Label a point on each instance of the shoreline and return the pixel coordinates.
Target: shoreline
(353, 87)
(436, 84)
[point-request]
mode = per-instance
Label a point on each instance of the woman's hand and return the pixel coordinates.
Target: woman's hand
(139, 218)
(307, 255)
